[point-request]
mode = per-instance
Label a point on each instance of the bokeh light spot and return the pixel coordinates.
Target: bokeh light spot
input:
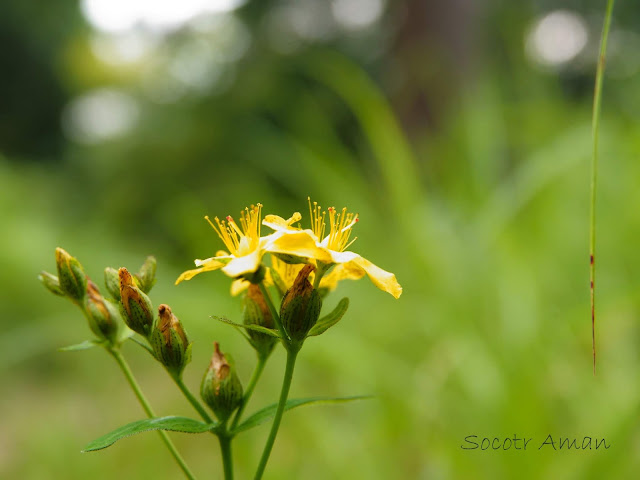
(556, 38)
(123, 15)
(100, 115)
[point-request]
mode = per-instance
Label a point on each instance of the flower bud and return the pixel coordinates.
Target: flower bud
(112, 282)
(73, 281)
(136, 307)
(146, 276)
(102, 314)
(221, 388)
(256, 312)
(51, 283)
(169, 341)
(301, 306)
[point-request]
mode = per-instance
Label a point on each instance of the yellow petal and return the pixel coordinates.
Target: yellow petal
(279, 224)
(206, 266)
(245, 264)
(221, 257)
(342, 271)
(239, 285)
(381, 278)
(300, 243)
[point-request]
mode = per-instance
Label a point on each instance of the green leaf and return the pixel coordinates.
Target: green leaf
(174, 424)
(267, 413)
(328, 321)
(255, 328)
(87, 344)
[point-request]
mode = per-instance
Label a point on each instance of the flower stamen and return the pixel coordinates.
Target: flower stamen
(232, 235)
(340, 229)
(317, 219)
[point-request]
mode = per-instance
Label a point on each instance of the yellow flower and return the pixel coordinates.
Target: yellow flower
(348, 265)
(246, 247)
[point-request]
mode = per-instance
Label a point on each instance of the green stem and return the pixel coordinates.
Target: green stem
(262, 360)
(272, 309)
(321, 269)
(122, 363)
(192, 400)
(595, 124)
(284, 393)
(227, 461)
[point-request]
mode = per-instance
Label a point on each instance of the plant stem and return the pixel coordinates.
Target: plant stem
(292, 353)
(595, 127)
(262, 360)
(192, 400)
(227, 461)
(122, 363)
(321, 269)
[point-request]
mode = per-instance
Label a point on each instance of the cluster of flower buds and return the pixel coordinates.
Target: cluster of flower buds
(73, 283)
(221, 388)
(165, 334)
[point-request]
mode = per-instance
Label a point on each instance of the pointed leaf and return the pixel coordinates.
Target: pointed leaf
(255, 328)
(269, 412)
(328, 321)
(81, 346)
(174, 424)
(143, 345)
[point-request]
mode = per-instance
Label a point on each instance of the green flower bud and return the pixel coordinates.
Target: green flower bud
(102, 314)
(146, 276)
(51, 283)
(300, 306)
(112, 282)
(136, 307)
(169, 341)
(73, 281)
(221, 388)
(256, 312)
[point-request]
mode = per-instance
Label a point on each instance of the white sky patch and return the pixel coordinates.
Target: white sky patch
(357, 14)
(117, 16)
(556, 38)
(100, 115)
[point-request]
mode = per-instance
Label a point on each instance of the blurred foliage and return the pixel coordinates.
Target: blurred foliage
(468, 164)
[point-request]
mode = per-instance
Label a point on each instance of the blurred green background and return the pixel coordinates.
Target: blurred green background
(459, 131)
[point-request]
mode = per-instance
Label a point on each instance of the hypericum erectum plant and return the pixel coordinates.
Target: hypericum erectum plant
(297, 265)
